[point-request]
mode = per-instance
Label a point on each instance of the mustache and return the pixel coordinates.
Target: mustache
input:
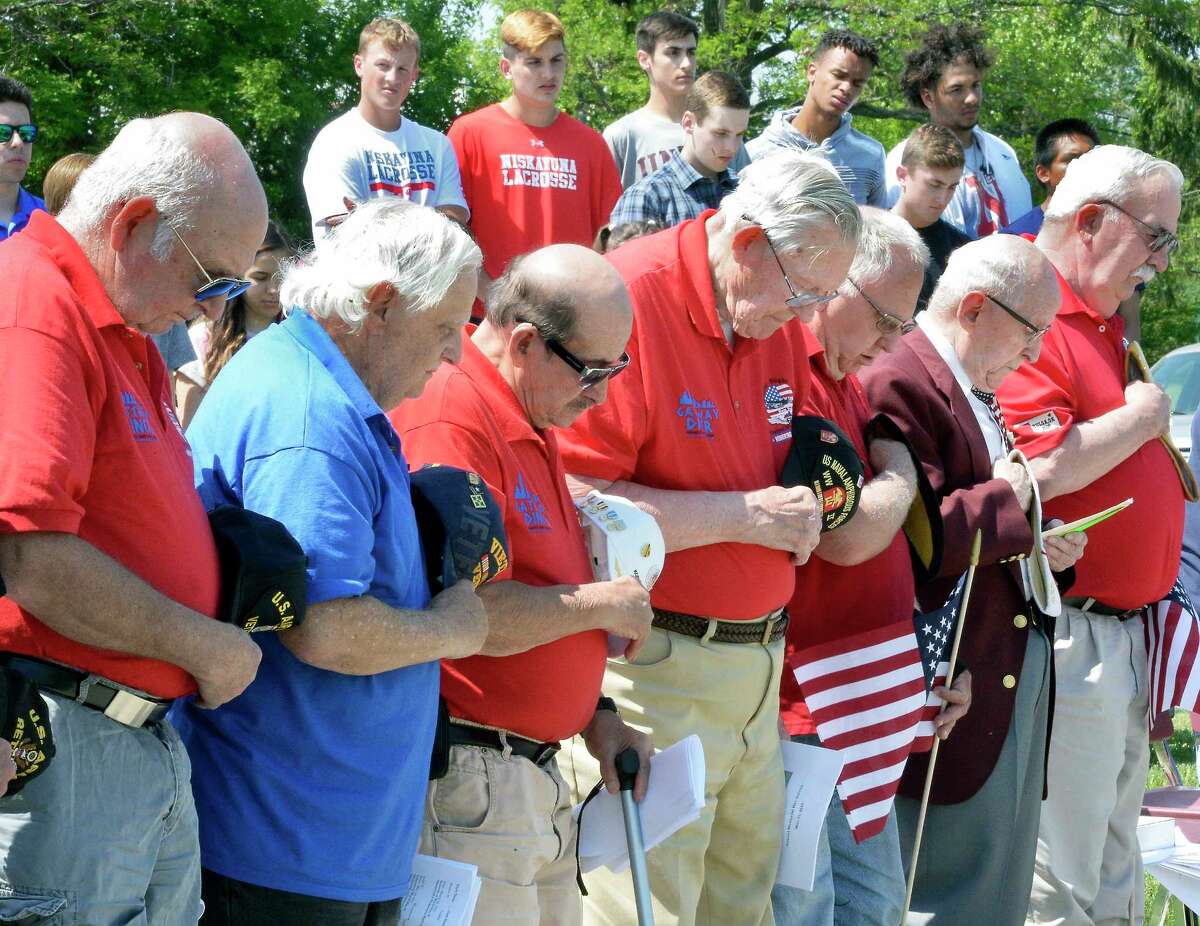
(1145, 273)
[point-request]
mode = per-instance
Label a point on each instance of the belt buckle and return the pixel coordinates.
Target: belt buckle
(129, 709)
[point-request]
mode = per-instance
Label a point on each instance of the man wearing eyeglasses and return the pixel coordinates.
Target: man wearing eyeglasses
(696, 431)
(106, 550)
(555, 333)
(17, 134)
(1093, 440)
(988, 315)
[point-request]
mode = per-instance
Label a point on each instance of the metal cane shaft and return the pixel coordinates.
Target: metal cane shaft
(637, 858)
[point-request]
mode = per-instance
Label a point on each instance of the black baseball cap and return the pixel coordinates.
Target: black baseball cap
(923, 524)
(823, 458)
(264, 572)
(461, 527)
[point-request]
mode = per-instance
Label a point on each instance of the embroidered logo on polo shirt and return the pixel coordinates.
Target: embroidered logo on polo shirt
(139, 418)
(698, 415)
(778, 400)
(531, 507)
(1042, 423)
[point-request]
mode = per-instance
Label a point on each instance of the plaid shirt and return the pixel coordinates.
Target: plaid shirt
(672, 194)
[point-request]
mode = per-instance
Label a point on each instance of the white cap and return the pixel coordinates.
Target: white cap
(622, 539)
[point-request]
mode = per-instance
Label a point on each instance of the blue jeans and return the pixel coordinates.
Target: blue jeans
(855, 885)
(107, 833)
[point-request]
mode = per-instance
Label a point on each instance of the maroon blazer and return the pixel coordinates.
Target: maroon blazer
(918, 391)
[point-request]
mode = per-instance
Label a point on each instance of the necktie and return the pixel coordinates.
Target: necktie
(989, 400)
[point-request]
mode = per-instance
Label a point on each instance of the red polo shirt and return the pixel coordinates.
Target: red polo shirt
(831, 601)
(1132, 558)
(468, 417)
(90, 446)
(691, 414)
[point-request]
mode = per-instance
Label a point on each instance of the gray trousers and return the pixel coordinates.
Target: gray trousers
(976, 861)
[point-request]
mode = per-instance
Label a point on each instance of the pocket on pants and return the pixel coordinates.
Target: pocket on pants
(462, 800)
(658, 648)
(31, 908)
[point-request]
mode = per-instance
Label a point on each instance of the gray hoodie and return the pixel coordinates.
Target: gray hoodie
(857, 157)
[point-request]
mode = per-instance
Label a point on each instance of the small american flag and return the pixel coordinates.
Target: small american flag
(870, 698)
(778, 398)
(1172, 633)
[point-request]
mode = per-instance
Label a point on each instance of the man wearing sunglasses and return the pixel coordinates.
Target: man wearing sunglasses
(554, 337)
(106, 550)
(696, 431)
(1092, 437)
(17, 134)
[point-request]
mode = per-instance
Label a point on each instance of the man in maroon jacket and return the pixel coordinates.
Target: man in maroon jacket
(987, 316)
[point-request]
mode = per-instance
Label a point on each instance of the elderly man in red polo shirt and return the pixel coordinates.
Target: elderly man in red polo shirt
(104, 545)
(696, 431)
(555, 334)
(1093, 441)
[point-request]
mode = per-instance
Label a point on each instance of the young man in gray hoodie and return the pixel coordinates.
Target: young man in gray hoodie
(838, 73)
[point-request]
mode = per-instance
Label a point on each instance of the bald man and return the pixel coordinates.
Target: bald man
(555, 333)
(104, 545)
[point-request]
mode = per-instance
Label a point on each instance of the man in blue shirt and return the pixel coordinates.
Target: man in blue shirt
(17, 133)
(310, 788)
(698, 176)
(1056, 146)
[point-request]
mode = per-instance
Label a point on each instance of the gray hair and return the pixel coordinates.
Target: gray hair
(1003, 266)
(794, 197)
(884, 240)
(146, 158)
(415, 248)
(1107, 172)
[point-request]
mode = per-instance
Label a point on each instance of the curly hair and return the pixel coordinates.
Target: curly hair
(941, 47)
(229, 331)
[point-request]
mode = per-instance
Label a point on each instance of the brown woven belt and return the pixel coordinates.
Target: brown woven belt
(1092, 606)
(764, 631)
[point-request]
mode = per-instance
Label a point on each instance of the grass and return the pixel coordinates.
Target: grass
(1183, 748)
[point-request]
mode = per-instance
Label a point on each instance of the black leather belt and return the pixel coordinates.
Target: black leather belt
(764, 631)
(537, 753)
(112, 699)
(1092, 606)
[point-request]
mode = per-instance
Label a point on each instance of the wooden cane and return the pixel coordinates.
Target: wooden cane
(937, 741)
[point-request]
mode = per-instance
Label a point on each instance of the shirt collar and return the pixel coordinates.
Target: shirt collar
(687, 176)
(309, 334)
(946, 352)
(27, 204)
(68, 256)
(509, 415)
(1073, 304)
(693, 254)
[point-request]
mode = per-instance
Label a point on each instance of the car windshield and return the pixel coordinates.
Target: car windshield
(1179, 376)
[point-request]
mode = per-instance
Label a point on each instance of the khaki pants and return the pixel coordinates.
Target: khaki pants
(719, 870)
(513, 820)
(1088, 868)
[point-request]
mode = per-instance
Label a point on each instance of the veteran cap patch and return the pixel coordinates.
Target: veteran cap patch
(823, 458)
(461, 527)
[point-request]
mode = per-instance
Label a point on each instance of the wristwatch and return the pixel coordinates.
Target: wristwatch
(607, 704)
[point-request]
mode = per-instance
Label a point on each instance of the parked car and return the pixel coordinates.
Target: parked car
(1179, 375)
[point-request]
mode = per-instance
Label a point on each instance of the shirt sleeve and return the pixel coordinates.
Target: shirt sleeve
(605, 441)
(47, 433)
(1037, 400)
(450, 189)
(460, 139)
(891, 185)
(618, 146)
(878, 196)
(327, 505)
(607, 190)
(333, 173)
(631, 207)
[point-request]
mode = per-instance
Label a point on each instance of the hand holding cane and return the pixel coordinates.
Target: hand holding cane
(933, 753)
(1136, 369)
(627, 763)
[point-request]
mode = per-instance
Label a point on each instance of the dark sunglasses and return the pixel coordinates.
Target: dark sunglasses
(225, 288)
(28, 132)
(1162, 238)
(1034, 331)
(589, 376)
(886, 322)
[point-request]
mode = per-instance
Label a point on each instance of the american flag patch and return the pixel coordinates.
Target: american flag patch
(777, 399)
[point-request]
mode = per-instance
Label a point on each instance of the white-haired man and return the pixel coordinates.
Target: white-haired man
(859, 578)
(992, 306)
(693, 432)
(558, 320)
(1093, 441)
(310, 787)
(106, 551)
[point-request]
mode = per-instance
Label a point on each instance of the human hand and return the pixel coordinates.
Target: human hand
(1153, 407)
(606, 737)
(622, 607)
(230, 666)
(1064, 551)
(464, 617)
(957, 700)
(784, 519)
(1018, 477)
(8, 770)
